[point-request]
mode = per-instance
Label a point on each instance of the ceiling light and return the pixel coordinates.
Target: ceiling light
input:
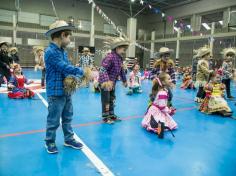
(221, 22)
(206, 26)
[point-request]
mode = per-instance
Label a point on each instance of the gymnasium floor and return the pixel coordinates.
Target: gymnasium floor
(204, 145)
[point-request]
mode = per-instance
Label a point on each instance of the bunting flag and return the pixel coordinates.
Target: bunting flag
(118, 30)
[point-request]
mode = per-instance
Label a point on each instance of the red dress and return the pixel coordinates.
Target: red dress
(19, 91)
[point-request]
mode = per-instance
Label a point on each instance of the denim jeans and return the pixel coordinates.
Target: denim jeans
(59, 107)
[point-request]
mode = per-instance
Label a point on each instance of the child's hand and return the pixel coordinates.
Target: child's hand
(10, 86)
(172, 111)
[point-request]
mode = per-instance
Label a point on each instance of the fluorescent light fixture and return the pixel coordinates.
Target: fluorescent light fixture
(221, 22)
(206, 26)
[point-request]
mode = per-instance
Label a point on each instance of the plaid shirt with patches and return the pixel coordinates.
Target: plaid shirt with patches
(57, 68)
(227, 68)
(111, 68)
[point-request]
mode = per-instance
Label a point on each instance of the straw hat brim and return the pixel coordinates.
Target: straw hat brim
(4, 42)
(86, 49)
(203, 53)
(229, 51)
(121, 43)
(38, 48)
(195, 56)
(165, 52)
(52, 31)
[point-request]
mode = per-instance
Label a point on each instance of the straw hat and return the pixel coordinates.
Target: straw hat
(165, 50)
(228, 50)
(113, 43)
(3, 42)
(86, 49)
(58, 25)
(203, 51)
(13, 48)
(38, 48)
(195, 56)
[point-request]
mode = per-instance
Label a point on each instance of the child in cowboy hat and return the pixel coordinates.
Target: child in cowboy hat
(203, 72)
(13, 54)
(227, 67)
(165, 64)
(58, 69)
(111, 69)
(86, 61)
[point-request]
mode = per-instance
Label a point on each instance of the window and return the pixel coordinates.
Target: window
(84, 25)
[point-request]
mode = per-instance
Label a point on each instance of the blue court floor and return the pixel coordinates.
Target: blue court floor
(205, 145)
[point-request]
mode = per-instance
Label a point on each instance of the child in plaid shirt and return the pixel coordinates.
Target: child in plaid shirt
(111, 69)
(58, 67)
(227, 67)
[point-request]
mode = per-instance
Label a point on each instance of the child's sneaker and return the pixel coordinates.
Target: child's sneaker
(230, 97)
(73, 144)
(115, 118)
(51, 147)
(107, 120)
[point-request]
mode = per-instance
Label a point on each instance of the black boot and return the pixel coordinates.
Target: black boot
(160, 130)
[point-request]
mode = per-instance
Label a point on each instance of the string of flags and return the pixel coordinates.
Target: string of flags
(118, 30)
(106, 18)
(178, 23)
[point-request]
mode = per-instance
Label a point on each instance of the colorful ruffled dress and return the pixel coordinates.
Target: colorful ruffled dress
(19, 91)
(214, 100)
(159, 111)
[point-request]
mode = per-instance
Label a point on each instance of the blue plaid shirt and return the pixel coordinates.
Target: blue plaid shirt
(57, 68)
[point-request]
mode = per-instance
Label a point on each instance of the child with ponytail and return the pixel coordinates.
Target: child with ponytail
(159, 116)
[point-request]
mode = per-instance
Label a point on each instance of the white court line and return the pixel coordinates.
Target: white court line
(102, 168)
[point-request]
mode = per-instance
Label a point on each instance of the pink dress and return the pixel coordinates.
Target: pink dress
(159, 111)
(146, 74)
(134, 80)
